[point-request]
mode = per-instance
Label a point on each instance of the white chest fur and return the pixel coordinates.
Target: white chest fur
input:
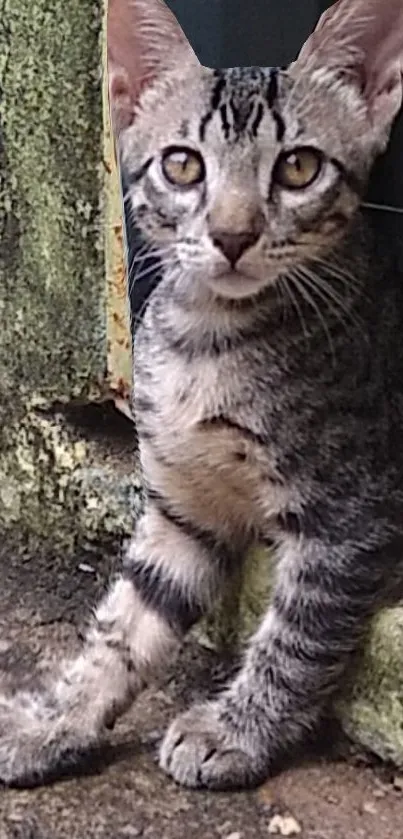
(218, 474)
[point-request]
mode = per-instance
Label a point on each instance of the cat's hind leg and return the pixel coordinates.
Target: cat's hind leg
(171, 575)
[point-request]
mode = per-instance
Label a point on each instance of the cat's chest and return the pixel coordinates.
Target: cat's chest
(178, 394)
(201, 441)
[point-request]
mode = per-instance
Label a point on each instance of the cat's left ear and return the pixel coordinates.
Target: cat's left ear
(144, 41)
(362, 42)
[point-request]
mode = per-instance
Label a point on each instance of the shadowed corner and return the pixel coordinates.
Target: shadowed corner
(386, 190)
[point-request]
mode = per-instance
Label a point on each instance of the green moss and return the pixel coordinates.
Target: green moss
(243, 603)
(53, 341)
(52, 280)
(372, 709)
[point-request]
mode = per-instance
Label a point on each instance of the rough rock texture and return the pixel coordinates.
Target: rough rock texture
(373, 711)
(56, 329)
(53, 337)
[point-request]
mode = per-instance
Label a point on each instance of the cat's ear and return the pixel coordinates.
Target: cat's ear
(144, 40)
(362, 41)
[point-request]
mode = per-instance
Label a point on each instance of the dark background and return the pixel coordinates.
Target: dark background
(228, 33)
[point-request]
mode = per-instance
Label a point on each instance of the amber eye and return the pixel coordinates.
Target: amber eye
(183, 167)
(298, 168)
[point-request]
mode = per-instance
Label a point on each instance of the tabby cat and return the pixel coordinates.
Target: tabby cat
(268, 389)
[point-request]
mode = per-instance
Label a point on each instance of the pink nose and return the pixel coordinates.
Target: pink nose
(233, 245)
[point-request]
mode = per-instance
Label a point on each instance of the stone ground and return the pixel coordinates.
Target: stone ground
(123, 794)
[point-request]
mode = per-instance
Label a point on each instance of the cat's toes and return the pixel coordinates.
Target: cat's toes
(200, 750)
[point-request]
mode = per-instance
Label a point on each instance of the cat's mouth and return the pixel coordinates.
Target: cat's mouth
(237, 283)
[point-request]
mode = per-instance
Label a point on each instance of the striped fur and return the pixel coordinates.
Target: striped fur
(269, 407)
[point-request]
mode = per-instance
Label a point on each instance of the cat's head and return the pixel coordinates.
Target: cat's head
(242, 175)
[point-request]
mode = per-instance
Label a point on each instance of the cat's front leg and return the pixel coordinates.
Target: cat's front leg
(171, 574)
(322, 599)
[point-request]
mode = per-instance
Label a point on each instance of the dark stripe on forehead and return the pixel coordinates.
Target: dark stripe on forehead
(218, 90)
(272, 96)
(280, 125)
(135, 177)
(257, 120)
(225, 122)
(214, 103)
(272, 91)
(203, 125)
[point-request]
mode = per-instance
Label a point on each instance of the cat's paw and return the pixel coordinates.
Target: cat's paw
(24, 727)
(37, 741)
(200, 749)
(15, 739)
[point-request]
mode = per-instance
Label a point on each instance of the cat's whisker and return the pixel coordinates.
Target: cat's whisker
(282, 294)
(294, 302)
(329, 269)
(332, 292)
(146, 253)
(126, 197)
(135, 277)
(150, 252)
(335, 302)
(300, 283)
(388, 208)
(326, 292)
(159, 256)
(339, 271)
(141, 255)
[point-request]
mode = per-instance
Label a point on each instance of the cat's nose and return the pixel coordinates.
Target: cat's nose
(233, 245)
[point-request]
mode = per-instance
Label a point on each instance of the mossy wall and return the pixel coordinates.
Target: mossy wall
(51, 258)
(56, 292)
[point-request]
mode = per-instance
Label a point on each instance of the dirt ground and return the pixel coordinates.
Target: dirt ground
(123, 794)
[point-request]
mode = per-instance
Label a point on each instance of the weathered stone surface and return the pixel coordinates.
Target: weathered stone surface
(61, 488)
(61, 308)
(373, 712)
(52, 279)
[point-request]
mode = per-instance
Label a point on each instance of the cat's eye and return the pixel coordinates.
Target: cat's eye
(183, 167)
(298, 168)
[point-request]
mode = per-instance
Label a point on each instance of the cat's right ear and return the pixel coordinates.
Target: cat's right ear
(144, 40)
